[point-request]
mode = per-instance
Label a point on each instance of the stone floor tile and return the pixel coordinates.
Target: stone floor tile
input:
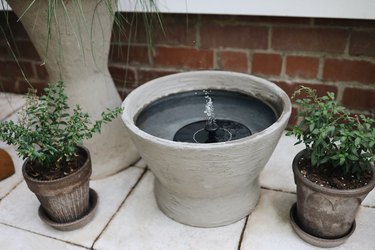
(278, 172)
(141, 225)
(9, 104)
(16, 239)
(20, 208)
(370, 199)
(268, 227)
(140, 164)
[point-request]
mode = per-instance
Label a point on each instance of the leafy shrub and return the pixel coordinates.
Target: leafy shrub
(332, 136)
(46, 132)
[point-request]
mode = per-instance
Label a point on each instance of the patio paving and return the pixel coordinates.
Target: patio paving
(128, 217)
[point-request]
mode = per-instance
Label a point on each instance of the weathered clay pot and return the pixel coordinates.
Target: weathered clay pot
(324, 212)
(66, 199)
(200, 184)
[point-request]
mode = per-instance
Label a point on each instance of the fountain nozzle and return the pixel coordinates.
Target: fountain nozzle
(211, 127)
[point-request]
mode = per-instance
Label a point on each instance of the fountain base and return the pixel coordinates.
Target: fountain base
(208, 209)
(206, 184)
(227, 131)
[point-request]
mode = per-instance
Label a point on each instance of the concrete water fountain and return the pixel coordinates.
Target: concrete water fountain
(206, 136)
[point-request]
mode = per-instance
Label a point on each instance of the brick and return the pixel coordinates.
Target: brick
(12, 70)
(178, 29)
(148, 75)
(26, 50)
(360, 99)
(133, 54)
(348, 70)
(302, 66)
(321, 89)
(245, 19)
(233, 36)
(362, 43)
(21, 49)
(234, 61)
(266, 64)
(174, 29)
(122, 76)
(12, 27)
(273, 20)
(23, 87)
(344, 23)
(5, 52)
(41, 71)
(183, 58)
(8, 86)
(309, 39)
(130, 30)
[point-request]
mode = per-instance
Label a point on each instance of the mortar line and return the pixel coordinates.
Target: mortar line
(118, 209)
(43, 235)
(278, 190)
(242, 233)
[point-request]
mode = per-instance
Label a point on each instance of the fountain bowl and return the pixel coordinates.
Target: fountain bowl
(205, 184)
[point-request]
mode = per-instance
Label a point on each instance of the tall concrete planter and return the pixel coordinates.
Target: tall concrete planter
(78, 54)
(323, 216)
(207, 185)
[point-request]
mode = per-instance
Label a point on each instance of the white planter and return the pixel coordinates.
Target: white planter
(207, 185)
(78, 54)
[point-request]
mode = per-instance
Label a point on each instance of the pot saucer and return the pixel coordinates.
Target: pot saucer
(313, 240)
(69, 226)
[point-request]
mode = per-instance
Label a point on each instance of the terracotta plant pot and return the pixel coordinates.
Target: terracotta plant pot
(326, 213)
(65, 200)
(205, 184)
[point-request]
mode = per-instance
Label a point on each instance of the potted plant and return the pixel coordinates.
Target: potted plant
(334, 173)
(73, 40)
(56, 168)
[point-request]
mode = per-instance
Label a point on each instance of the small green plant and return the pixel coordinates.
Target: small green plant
(46, 132)
(332, 136)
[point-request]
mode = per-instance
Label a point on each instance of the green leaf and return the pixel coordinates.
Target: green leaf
(353, 157)
(357, 141)
(312, 126)
(342, 160)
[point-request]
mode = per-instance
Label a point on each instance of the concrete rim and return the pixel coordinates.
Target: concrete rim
(128, 117)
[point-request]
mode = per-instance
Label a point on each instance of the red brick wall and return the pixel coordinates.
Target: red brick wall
(326, 54)
(28, 62)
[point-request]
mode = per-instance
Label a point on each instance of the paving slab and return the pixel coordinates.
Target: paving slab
(268, 227)
(20, 208)
(16, 239)
(141, 225)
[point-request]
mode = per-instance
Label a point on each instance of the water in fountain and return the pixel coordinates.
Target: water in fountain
(209, 116)
(211, 130)
(209, 110)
